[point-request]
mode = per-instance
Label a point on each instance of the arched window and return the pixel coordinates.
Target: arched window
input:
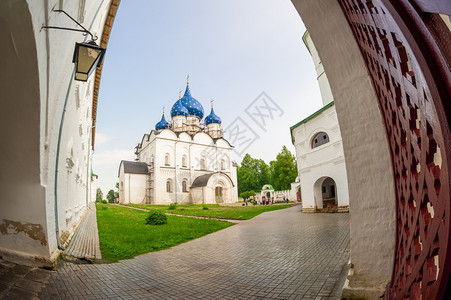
(320, 139)
(222, 164)
(169, 186)
(166, 159)
(184, 186)
(184, 161)
(202, 163)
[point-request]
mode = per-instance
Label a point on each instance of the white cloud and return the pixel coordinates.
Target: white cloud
(111, 157)
(102, 138)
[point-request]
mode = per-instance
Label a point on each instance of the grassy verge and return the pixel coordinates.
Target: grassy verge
(214, 210)
(124, 234)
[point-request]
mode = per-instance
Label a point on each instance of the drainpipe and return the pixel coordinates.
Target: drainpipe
(60, 132)
(88, 171)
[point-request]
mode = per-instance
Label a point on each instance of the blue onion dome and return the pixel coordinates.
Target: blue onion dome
(194, 107)
(212, 118)
(163, 124)
(178, 109)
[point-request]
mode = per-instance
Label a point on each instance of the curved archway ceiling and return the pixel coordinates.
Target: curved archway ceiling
(412, 95)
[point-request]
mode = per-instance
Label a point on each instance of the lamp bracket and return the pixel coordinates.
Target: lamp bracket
(84, 30)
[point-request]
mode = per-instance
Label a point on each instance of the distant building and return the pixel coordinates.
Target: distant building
(186, 160)
(319, 150)
(292, 194)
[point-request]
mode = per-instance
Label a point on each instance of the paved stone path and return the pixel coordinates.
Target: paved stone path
(20, 282)
(277, 255)
(85, 242)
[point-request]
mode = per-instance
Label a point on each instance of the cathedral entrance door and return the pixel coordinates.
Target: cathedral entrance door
(218, 194)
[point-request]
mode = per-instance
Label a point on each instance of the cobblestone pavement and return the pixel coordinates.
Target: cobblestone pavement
(278, 255)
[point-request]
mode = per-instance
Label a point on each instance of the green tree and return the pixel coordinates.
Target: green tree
(252, 174)
(246, 174)
(110, 196)
(247, 194)
(283, 170)
(264, 175)
(99, 195)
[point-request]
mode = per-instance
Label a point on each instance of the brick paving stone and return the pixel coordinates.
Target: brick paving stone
(282, 254)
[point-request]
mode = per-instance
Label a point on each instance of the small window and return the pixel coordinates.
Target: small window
(168, 186)
(320, 139)
(184, 186)
(166, 159)
(184, 161)
(222, 164)
(202, 163)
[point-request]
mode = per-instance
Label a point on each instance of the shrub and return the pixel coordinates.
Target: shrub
(172, 206)
(104, 202)
(156, 217)
(204, 207)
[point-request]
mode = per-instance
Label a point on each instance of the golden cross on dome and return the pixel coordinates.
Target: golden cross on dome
(211, 101)
(187, 79)
(180, 94)
(163, 110)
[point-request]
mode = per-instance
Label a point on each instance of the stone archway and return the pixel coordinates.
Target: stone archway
(267, 193)
(325, 194)
(219, 192)
(22, 136)
(389, 74)
(393, 56)
(329, 194)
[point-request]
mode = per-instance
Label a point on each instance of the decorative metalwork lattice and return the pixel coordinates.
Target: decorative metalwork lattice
(418, 137)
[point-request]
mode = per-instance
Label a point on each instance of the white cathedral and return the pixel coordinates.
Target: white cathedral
(186, 160)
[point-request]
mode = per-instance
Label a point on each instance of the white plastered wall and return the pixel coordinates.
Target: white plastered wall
(201, 145)
(41, 61)
(368, 165)
(326, 160)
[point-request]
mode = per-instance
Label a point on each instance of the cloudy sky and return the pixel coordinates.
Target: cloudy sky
(247, 55)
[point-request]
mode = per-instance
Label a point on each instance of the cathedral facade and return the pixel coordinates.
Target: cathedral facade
(185, 160)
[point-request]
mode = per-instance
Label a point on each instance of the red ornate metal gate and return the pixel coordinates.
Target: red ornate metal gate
(407, 53)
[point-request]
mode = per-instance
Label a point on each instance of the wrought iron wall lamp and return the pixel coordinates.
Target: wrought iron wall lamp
(87, 55)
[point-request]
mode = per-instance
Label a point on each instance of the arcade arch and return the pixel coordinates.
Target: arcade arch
(325, 194)
(27, 121)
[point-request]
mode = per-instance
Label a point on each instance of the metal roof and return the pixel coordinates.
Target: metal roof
(135, 167)
(202, 180)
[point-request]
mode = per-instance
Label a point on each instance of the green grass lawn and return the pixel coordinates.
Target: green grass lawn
(124, 233)
(215, 211)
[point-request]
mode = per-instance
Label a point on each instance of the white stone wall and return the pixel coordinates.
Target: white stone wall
(368, 163)
(132, 187)
(39, 69)
(324, 87)
(324, 161)
(93, 188)
(194, 149)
